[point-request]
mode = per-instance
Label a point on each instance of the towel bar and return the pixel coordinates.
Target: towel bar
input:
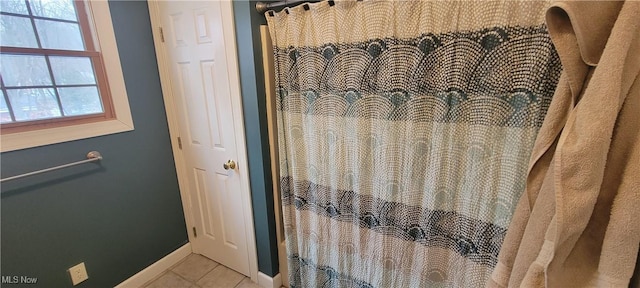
(92, 156)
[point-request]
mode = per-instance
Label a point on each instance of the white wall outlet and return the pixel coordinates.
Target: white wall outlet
(78, 273)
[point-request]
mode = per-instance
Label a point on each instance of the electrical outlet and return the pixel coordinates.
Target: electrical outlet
(78, 273)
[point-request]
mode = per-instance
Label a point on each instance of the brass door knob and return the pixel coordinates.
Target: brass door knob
(229, 165)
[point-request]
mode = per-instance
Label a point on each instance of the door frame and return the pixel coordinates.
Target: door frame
(269, 83)
(164, 69)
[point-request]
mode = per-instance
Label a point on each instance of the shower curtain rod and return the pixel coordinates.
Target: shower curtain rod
(262, 7)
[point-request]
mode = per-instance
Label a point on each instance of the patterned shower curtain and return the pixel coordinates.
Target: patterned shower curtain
(405, 130)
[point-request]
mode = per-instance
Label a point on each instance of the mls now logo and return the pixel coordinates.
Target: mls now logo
(19, 280)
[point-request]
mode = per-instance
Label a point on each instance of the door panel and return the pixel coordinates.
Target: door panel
(200, 84)
(208, 74)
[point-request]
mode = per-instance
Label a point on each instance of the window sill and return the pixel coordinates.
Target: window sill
(23, 140)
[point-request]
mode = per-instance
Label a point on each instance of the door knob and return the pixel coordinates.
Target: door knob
(229, 165)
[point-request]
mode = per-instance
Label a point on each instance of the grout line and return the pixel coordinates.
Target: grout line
(180, 276)
(241, 280)
(181, 261)
(194, 282)
(170, 269)
(209, 271)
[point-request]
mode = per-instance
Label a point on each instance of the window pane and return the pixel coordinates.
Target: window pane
(5, 116)
(24, 70)
(17, 32)
(58, 9)
(59, 35)
(72, 70)
(13, 6)
(80, 100)
(33, 104)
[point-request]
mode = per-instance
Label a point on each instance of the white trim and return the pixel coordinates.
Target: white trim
(268, 282)
(267, 62)
(100, 16)
(174, 131)
(155, 269)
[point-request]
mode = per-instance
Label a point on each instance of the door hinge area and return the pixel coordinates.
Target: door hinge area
(195, 233)
(180, 143)
(161, 35)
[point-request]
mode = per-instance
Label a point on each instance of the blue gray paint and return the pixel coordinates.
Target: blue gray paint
(248, 22)
(119, 216)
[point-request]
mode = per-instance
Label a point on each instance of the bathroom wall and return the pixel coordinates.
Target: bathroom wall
(117, 217)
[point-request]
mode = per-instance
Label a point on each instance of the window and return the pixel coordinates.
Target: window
(60, 73)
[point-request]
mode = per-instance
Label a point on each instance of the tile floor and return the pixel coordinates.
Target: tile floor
(197, 271)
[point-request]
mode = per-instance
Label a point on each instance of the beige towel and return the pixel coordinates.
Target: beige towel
(578, 224)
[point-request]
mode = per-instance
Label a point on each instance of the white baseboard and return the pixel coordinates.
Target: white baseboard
(267, 282)
(156, 268)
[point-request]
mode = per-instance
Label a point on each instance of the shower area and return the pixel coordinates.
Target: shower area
(401, 134)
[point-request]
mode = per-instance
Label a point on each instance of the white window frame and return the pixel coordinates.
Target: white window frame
(102, 31)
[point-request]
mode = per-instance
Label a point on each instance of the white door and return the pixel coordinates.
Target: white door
(200, 84)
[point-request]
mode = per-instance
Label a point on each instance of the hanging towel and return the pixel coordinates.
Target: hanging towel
(577, 223)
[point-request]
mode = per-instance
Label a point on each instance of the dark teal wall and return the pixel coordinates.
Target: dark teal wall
(248, 22)
(118, 217)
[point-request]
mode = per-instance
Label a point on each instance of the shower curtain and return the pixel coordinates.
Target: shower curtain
(405, 130)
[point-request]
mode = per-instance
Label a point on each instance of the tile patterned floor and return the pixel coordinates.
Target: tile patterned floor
(197, 271)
